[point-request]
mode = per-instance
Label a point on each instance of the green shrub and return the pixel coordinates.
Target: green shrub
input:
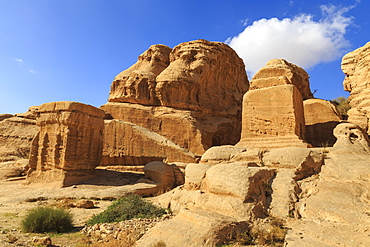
(126, 208)
(47, 219)
(342, 105)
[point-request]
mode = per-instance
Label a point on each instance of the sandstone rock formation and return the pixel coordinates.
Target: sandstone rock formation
(16, 134)
(356, 67)
(197, 228)
(69, 144)
(280, 72)
(160, 173)
(137, 84)
(130, 144)
(321, 117)
(334, 206)
(273, 117)
(351, 139)
(191, 94)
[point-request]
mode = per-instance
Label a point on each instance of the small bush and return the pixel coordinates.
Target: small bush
(47, 219)
(126, 208)
(342, 105)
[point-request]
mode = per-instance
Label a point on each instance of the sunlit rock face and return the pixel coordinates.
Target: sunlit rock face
(356, 67)
(191, 94)
(273, 114)
(68, 146)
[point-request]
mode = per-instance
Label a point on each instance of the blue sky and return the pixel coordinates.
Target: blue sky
(59, 50)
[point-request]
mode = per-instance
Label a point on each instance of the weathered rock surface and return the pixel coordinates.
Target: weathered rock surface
(11, 169)
(194, 175)
(280, 72)
(304, 161)
(160, 173)
(191, 130)
(137, 84)
(356, 67)
(273, 117)
(16, 134)
(351, 139)
(191, 94)
(219, 154)
(321, 117)
(334, 206)
(69, 144)
(232, 189)
(126, 143)
(197, 228)
(203, 75)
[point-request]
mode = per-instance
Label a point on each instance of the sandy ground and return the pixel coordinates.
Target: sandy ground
(16, 199)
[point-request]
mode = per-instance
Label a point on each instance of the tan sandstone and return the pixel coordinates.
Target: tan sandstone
(16, 134)
(69, 144)
(355, 66)
(191, 95)
(280, 72)
(273, 117)
(321, 117)
(126, 143)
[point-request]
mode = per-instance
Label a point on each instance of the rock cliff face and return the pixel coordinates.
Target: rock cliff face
(137, 84)
(191, 94)
(356, 67)
(16, 134)
(129, 144)
(70, 141)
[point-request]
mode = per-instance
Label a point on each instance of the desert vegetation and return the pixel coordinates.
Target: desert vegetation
(126, 208)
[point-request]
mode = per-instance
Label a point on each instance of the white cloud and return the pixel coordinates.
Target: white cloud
(20, 61)
(299, 40)
(33, 71)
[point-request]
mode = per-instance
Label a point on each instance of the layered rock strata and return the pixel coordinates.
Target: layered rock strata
(273, 117)
(191, 94)
(16, 134)
(355, 66)
(69, 143)
(126, 143)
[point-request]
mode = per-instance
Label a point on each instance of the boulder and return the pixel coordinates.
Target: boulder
(355, 66)
(273, 117)
(304, 161)
(321, 117)
(232, 189)
(193, 229)
(9, 169)
(5, 116)
(16, 134)
(194, 175)
(83, 203)
(351, 139)
(279, 72)
(160, 173)
(126, 143)
(69, 143)
(219, 154)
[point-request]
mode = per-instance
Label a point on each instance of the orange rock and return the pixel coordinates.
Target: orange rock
(69, 142)
(191, 95)
(356, 67)
(280, 72)
(273, 117)
(205, 76)
(129, 144)
(321, 117)
(137, 83)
